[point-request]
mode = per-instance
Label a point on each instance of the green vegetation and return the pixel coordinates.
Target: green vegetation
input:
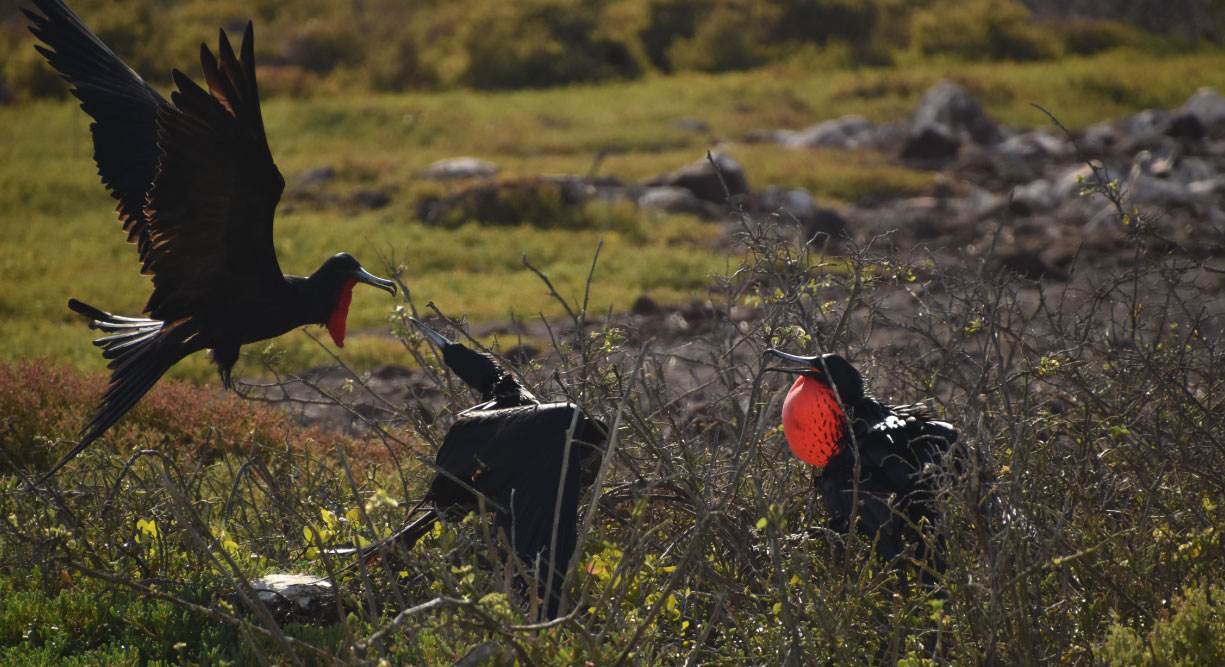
(387, 45)
(706, 543)
(62, 240)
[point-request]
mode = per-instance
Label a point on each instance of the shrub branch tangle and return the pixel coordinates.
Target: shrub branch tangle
(1098, 403)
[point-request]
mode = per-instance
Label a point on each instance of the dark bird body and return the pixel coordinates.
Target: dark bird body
(196, 189)
(890, 458)
(520, 458)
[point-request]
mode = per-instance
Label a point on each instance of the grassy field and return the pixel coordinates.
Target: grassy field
(62, 240)
(1105, 451)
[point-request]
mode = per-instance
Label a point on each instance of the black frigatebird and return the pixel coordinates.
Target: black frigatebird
(197, 189)
(518, 455)
(829, 422)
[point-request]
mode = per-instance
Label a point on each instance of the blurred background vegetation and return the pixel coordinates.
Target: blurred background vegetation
(309, 46)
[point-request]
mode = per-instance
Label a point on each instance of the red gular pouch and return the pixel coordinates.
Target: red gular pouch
(340, 314)
(813, 422)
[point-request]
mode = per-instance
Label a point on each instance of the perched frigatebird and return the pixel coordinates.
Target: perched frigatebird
(197, 189)
(525, 459)
(889, 457)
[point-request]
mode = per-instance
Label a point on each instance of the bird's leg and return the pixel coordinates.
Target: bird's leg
(225, 358)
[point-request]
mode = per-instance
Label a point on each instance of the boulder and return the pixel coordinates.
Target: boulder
(701, 179)
(1149, 121)
(1034, 197)
(799, 206)
(1035, 146)
(1098, 139)
(675, 199)
(951, 108)
(846, 132)
(1208, 107)
(934, 143)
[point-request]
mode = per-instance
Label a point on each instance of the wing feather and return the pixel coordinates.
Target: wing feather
(124, 108)
(212, 202)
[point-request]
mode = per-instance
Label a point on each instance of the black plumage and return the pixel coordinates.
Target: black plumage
(196, 189)
(893, 459)
(527, 461)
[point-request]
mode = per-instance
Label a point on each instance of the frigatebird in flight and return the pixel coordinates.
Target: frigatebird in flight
(889, 457)
(517, 455)
(197, 189)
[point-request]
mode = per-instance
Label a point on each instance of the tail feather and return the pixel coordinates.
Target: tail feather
(139, 359)
(115, 345)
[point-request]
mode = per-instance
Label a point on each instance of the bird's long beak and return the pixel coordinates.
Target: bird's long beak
(438, 340)
(363, 276)
(806, 363)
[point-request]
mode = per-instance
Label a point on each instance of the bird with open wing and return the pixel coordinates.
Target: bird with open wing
(197, 190)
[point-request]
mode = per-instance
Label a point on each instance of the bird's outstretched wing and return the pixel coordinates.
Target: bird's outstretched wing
(211, 205)
(123, 106)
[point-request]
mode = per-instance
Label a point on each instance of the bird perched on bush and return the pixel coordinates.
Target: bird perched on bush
(197, 189)
(880, 464)
(522, 459)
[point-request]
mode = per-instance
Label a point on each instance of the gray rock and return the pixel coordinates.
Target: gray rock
(701, 179)
(1098, 138)
(676, 199)
(978, 203)
(1036, 145)
(933, 143)
(1146, 122)
(890, 137)
(1186, 127)
(797, 205)
(1208, 107)
(796, 202)
(997, 171)
(458, 168)
(1033, 197)
(951, 108)
(1153, 179)
(844, 132)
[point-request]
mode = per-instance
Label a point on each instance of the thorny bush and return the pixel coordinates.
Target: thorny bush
(1094, 407)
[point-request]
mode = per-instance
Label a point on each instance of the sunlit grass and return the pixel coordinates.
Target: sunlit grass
(62, 239)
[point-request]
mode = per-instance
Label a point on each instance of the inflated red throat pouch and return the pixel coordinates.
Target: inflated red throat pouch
(340, 314)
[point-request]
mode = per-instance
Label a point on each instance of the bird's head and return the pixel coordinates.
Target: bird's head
(337, 277)
(477, 369)
(813, 420)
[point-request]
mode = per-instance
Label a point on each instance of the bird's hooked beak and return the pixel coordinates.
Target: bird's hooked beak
(363, 276)
(436, 339)
(807, 364)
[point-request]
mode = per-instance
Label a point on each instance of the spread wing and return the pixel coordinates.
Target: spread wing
(123, 106)
(211, 205)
